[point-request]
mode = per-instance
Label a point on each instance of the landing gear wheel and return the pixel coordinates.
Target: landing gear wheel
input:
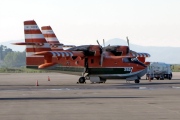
(170, 76)
(82, 80)
(137, 81)
(157, 78)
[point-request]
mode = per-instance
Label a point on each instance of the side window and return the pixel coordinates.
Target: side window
(125, 60)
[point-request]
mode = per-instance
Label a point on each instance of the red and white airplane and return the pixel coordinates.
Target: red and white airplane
(97, 63)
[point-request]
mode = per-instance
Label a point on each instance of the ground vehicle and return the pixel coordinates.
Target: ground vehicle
(159, 70)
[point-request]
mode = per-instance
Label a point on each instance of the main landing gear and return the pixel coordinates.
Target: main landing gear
(82, 80)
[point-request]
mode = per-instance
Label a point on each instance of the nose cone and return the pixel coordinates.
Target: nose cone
(137, 68)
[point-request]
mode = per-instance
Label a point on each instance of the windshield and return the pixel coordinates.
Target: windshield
(133, 60)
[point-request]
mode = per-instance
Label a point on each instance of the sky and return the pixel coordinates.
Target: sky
(145, 22)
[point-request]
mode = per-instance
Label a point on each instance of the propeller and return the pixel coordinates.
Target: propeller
(130, 51)
(128, 45)
(103, 51)
(99, 44)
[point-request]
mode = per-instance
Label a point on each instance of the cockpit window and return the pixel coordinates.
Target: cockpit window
(126, 60)
(132, 60)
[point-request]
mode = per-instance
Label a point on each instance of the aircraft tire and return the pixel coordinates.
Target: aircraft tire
(170, 76)
(157, 78)
(137, 81)
(82, 80)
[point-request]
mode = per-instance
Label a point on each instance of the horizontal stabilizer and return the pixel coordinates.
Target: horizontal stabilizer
(58, 44)
(26, 43)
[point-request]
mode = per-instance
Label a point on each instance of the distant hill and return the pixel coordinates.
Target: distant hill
(158, 54)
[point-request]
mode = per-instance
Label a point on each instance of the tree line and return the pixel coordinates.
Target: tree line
(10, 58)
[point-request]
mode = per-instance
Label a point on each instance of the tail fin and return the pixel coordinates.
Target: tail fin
(35, 42)
(51, 38)
(34, 35)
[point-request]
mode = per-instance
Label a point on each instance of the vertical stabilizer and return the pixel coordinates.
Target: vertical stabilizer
(34, 35)
(51, 38)
(35, 42)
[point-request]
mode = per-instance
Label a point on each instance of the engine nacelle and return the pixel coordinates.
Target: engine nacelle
(123, 49)
(96, 49)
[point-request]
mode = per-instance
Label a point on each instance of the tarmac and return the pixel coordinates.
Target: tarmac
(60, 98)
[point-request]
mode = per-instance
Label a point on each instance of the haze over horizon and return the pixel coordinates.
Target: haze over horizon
(147, 23)
(158, 54)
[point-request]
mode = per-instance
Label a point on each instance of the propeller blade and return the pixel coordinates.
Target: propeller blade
(103, 43)
(98, 42)
(127, 41)
(128, 45)
(99, 45)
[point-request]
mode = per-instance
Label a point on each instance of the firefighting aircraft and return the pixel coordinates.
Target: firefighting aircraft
(96, 62)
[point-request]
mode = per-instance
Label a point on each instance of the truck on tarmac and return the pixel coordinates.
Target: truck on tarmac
(159, 70)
